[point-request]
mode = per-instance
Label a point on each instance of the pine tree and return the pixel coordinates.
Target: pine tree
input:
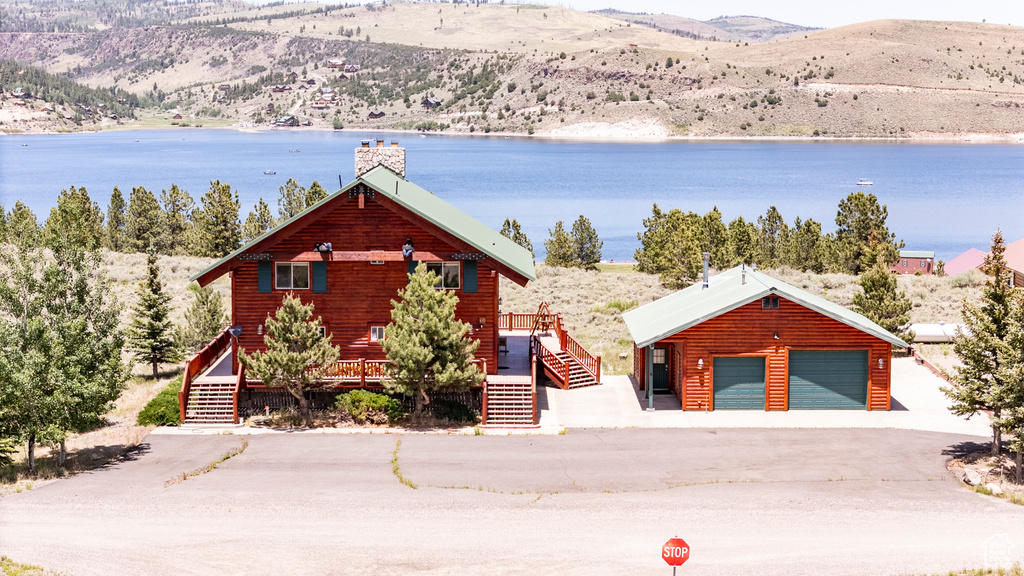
(511, 230)
(315, 193)
(116, 236)
(22, 223)
(671, 246)
(989, 346)
(151, 332)
(861, 223)
(743, 241)
(143, 223)
(178, 206)
(587, 244)
(294, 345)
(75, 218)
(292, 200)
(881, 301)
(216, 230)
(259, 221)
(560, 248)
(715, 239)
(3, 226)
(805, 250)
(429, 349)
(773, 238)
(205, 318)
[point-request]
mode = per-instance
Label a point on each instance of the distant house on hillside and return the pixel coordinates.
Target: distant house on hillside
(280, 88)
(293, 76)
(376, 115)
(335, 63)
(430, 103)
(224, 87)
(914, 261)
(176, 117)
(20, 93)
(321, 103)
(351, 68)
(287, 121)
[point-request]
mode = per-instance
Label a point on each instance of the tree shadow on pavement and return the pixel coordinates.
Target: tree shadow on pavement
(962, 449)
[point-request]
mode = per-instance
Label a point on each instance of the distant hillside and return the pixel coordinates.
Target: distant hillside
(519, 69)
(724, 28)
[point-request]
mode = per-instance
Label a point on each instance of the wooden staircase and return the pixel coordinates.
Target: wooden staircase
(510, 402)
(211, 401)
(579, 376)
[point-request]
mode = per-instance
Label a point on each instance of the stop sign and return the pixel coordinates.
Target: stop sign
(675, 552)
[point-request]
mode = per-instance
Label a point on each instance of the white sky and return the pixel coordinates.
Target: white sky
(819, 13)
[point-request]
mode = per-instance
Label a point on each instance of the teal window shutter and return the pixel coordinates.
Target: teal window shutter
(469, 276)
(412, 266)
(319, 270)
(265, 280)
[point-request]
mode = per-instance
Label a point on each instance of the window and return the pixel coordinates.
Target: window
(376, 333)
(904, 262)
(292, 276)
(659, 356)
(924, 263)
(770, 302)
(449, 273)
(323, 331)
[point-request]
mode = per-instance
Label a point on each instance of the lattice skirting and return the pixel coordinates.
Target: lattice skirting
(252, 402)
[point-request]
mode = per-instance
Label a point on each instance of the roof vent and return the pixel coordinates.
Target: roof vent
(707, 257)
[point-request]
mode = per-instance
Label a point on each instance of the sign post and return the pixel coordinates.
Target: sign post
(675, 552)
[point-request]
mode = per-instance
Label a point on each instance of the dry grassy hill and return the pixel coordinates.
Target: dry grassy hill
(549, 70)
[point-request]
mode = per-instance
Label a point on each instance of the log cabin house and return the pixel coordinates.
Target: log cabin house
(745, 340)
(914, 261)
(349, 254)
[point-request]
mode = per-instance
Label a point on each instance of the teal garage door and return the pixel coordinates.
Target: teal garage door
(828, 379)
(739, 383)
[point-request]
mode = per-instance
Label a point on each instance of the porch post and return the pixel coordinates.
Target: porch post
(649, 371)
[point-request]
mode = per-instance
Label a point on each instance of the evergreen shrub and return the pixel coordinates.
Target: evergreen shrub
(163, 409)
(369, 407)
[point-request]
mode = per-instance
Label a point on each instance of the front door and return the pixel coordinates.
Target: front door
(660, 362)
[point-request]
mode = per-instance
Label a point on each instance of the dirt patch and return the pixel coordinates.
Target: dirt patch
(988, 474)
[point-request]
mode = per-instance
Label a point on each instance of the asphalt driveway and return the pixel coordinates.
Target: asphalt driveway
(748, 501)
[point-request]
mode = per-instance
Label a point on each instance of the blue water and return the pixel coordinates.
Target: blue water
(941, 197)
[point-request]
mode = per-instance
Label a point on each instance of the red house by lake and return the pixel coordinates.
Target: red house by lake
(349, 255)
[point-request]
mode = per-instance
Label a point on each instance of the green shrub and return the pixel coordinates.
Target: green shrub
(454, 412)
(163, 409)
(369, 407)
(972, 277)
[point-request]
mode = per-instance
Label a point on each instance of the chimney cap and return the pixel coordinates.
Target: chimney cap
(394, 143)
(380, 142)
(366, 143)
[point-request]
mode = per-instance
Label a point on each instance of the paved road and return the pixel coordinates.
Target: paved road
(776, 501)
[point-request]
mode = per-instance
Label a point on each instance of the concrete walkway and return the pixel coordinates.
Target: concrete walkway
(917, 404)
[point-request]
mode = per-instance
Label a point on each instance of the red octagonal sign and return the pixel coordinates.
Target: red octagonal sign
(675, 552)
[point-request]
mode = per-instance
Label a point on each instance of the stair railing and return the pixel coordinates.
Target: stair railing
(198, 364)
(556, 366)
(239, 384)
(590, 362)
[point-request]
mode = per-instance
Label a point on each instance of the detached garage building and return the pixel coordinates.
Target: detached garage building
(747, 341)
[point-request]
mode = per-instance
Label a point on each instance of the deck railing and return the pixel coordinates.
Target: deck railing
(199, 363)
(514, 321)
(354, 373)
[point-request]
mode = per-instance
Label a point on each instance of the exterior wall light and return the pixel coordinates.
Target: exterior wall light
(881, 364)
(700, 364)
(259, 330)
(775, 335)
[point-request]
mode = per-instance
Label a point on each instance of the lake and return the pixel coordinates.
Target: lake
(941, 197)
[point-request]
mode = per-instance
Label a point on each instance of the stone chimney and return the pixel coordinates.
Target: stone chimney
(369, 157)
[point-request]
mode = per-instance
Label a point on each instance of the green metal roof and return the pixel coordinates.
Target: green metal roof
(726, 292)
(426, 205)
(917, 254)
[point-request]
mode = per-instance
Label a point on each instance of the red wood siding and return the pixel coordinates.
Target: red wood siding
(748, 331)
(359, 294)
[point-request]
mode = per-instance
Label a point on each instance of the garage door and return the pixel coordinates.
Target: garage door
(739, 383)
(828, 379)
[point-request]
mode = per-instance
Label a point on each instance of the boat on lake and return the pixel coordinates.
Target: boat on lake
(864, 182)
(269, 172)
(293, 150)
